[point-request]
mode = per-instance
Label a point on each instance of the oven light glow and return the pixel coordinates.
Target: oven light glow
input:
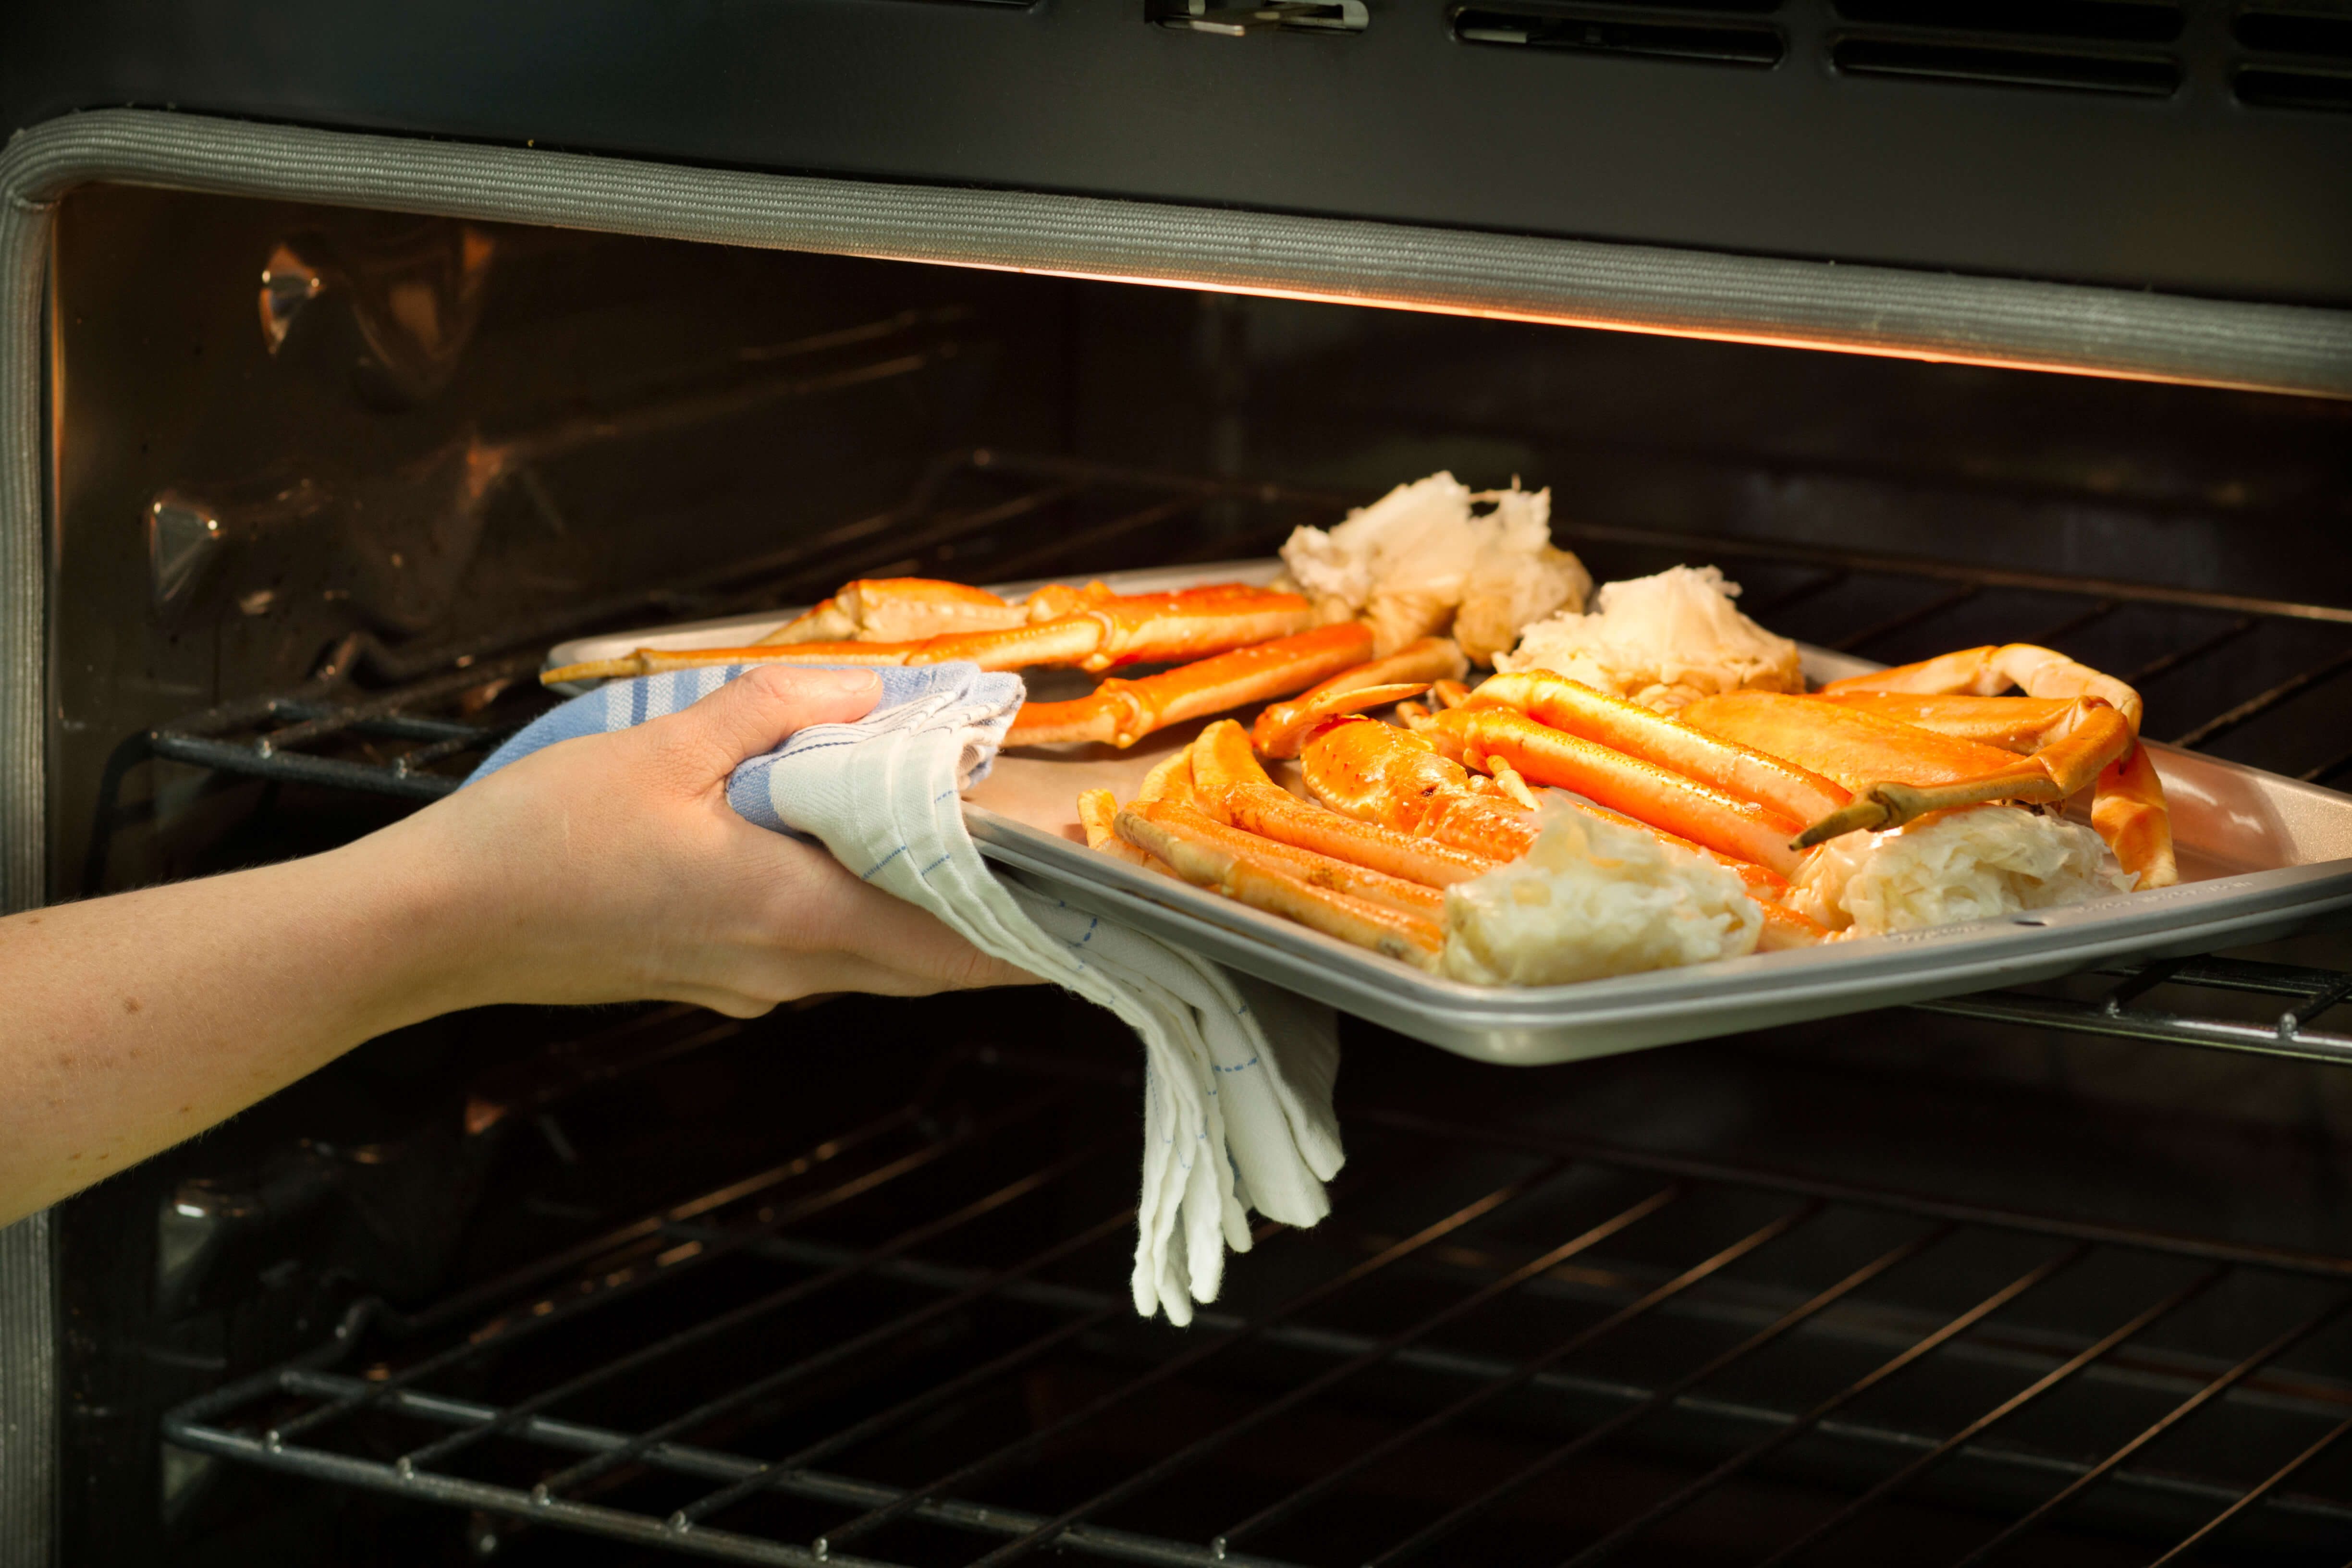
(1552, 319)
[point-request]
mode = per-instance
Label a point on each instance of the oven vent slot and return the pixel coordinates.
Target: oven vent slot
(2306, 55)
(1729, 32)
(1232, 21)
(2080, 45)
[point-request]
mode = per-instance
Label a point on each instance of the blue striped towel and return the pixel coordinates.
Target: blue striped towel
(1238, 1074)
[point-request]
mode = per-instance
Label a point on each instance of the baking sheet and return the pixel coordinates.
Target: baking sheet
(2261, 856)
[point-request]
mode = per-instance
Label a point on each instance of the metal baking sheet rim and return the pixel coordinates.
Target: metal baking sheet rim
(1536, 1027)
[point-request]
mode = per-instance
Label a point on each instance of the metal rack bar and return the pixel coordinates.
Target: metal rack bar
(2257, 1493)
(1610, 1543)
(1794, 1318)
(1911, 617)
(703, 1464)
(1154, 1475)
(873, 1520)
(1525, 1372)
(663, 1268)
(2254, 707)
(2203, 1249)
(2278, 1039)
(2165, 664)
(598, 1458)
(1994, 1352)
(1734, 547)
(711, 1410)
(2016, 1401)
(2163, 1424)
(750, 1311)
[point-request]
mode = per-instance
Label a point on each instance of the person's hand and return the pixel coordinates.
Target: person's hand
(612, 868)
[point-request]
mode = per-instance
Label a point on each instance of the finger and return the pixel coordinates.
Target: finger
(761, 707)
(869, 921)
(818, 906)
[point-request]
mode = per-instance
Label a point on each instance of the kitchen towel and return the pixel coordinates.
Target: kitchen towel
(1237, 1074)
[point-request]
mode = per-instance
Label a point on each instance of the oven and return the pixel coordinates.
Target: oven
(369, 356)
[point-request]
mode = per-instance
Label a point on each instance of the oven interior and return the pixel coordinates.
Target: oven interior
(2009, 1279)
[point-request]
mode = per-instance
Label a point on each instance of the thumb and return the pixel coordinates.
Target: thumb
(760, 708)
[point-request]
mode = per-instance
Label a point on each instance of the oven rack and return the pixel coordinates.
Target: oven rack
(1003, 516)
(1562, 1310)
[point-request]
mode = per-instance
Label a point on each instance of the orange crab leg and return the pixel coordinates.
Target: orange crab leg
(1281, 816)
(1352, 760)
(1123, 711)
(1378, 774)
(1171, 779)
(1656, 797)
(1071, 640)
(1222, 760)
(1202, 859)
(1899, 772)
(1160, 628)
(1850, 745)
(1098, 816)
(654, 661)
(1232, 788)
(1628, 727)
(1316, 869)
(2128, 811)
(2012, 724)
(1990, 670)
(900, 609)
(1283, 728)
(1942, 762)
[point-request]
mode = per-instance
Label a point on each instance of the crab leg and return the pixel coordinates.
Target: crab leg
(1899, 772)
(1234, 789)
(1283, 728)
(1145, 628)
(1160, 628)
(1628, 727)
(1658, 797)
(1171, 779)
(1378, 774)
(1842, 740)
(1098, 816)
(1123, 711)
(2012, 724)
(2128, 811)
(1227, 774)
(1316, 870)
(900, 609)
(1990, 670)
(654, 661)
(1142, 628)
(1198, 857)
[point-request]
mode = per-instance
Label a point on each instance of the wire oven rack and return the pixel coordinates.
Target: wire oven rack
(432, 713)
(911, 1342)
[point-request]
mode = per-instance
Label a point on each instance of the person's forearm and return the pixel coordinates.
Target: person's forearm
(128, 1023)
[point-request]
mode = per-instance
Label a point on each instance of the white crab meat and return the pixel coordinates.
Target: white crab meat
(1410, 561)
(1594, 898)
(1971, 865)
(1661, 641)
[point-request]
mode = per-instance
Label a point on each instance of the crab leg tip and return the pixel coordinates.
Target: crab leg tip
(1867, 811)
